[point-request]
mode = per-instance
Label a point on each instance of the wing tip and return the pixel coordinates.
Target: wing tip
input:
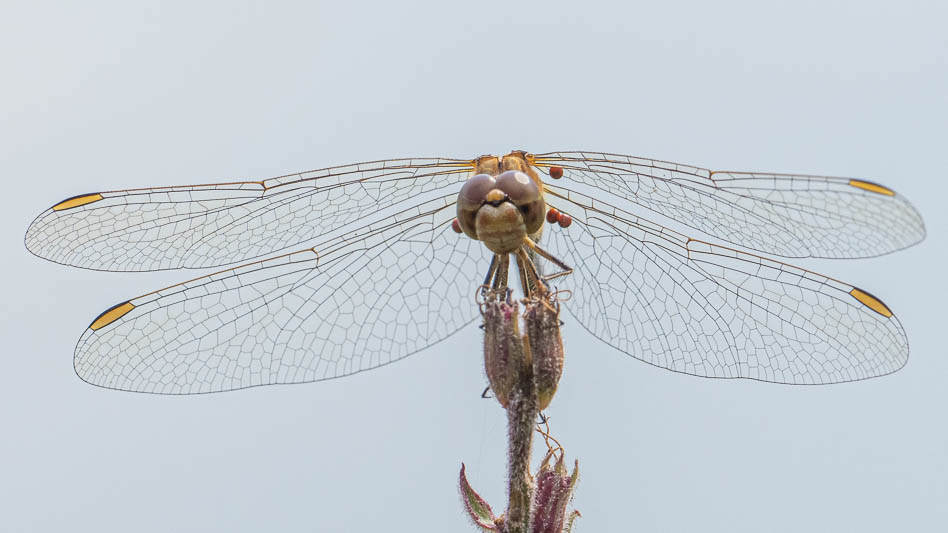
(32, 239)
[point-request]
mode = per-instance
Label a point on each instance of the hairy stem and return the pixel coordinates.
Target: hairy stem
(521, 416)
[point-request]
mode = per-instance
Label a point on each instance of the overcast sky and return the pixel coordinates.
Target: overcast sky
(105, 95)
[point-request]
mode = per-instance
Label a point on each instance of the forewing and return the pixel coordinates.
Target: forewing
(708, 310)
(351, 304)
(201, 226)
(780, 214)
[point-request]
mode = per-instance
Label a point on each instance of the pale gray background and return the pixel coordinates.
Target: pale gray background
(106, 95)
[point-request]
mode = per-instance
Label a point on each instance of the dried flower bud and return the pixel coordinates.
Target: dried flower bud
(554, 490)
(503, 347)
(542, 323)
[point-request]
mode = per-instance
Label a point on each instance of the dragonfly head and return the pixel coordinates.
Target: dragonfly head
(501, 210)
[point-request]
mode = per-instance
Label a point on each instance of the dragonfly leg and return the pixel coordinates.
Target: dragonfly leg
(564, 268)
(533, 282)
(495, 282)
(490, 271)
(496, 278)
(524, 280)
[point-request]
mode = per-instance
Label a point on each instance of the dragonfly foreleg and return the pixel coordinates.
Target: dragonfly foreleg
(564, 268)
(533, 284)
(524, 280)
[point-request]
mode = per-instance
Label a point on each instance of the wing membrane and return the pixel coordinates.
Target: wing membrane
(707, 310)
(402, 280)
(201, 226)
(353, 303)
(781, 214)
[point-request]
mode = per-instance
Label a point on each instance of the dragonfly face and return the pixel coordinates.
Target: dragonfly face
(375, 273)
(501, 211)
(506, 212)
(502, 202)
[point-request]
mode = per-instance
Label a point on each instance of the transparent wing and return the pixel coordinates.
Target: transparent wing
(780, 214)
(708, 310)
(353, 303)
(201, 226)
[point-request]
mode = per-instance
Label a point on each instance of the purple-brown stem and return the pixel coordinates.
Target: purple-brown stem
(521, 416)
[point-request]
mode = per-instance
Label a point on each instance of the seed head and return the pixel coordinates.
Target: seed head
(503, 346)
(542, 323)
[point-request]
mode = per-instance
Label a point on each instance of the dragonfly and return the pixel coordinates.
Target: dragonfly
(331, 272)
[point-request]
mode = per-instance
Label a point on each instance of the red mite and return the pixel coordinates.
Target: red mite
(556, 172)
(564, 220)
(456, 226)
(552, 216)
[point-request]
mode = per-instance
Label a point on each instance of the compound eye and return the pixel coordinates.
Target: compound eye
(475, 190)
(518, 186)
(471, 198)
(525, 194)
